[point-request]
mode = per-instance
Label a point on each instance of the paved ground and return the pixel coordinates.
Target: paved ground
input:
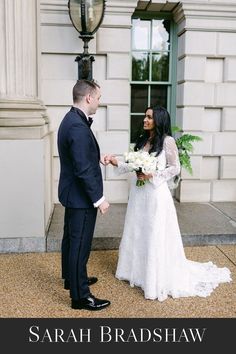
(200, 224)
(31, 287)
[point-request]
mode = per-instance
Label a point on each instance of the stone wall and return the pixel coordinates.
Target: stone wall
(111, 49)
(205, 91)
(206, 103)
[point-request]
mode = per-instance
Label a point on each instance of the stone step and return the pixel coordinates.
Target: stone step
(200, 224)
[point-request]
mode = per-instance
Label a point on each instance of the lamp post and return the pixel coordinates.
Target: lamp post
(86, 16)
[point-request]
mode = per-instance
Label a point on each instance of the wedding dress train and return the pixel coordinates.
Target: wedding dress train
(151, 253)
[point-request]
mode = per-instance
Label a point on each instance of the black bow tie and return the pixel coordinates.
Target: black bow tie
(90, 120)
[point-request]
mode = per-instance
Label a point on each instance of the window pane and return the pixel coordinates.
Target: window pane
(139, 98)
(136, 127)
(141, 34)
(140, 66)
(160, 67)
(159, 95)
(160, 35)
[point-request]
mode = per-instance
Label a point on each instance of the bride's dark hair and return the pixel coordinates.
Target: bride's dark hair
(162, 129)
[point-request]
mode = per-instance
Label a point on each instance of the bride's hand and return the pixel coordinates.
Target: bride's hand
(141, 176)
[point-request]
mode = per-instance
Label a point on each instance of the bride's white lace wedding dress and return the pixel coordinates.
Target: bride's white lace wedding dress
(151, 253)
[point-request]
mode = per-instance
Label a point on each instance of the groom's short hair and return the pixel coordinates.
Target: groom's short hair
(83, 88)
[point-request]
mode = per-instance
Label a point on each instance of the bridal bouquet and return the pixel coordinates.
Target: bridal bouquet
(141, 161)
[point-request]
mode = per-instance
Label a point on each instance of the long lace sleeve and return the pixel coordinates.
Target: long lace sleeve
(121, 168)
(172, 163)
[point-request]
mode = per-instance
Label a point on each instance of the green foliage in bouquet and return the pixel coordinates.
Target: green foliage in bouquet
(185, 147)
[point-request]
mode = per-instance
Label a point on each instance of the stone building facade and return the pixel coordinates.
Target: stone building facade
(39, 44)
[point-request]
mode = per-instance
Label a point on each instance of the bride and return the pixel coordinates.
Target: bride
(151, 253)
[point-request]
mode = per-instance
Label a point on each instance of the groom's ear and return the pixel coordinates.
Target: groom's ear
(88, 98)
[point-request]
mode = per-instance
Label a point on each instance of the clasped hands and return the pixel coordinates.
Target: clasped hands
(108, 159)
(111, 159)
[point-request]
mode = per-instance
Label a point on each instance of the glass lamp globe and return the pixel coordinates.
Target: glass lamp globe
(86, 15)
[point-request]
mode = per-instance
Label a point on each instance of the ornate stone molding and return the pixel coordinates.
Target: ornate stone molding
(202, 16)
(15, 113)
(118, 14)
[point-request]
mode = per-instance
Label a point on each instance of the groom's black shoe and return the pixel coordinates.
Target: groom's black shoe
(91, 281)
(90, 303)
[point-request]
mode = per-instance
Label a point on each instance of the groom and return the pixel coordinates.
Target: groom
(80, 192)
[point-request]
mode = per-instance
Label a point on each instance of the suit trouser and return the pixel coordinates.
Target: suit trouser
(79, 227)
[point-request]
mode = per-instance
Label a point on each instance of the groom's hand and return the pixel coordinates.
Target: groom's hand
(103, 207)
(104, 160)
(108, 158)
(111, 159)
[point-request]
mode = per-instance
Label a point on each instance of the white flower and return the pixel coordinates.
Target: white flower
(141, 160)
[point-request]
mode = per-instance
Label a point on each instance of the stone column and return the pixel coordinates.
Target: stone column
(25, 143)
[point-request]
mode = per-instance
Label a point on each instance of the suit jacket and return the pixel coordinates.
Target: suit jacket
(80, 182)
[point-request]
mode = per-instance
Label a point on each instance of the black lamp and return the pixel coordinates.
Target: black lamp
(86, 16)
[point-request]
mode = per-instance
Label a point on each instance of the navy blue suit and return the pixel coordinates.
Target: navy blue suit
(80, 185)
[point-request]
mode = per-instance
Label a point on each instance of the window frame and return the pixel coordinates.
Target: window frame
(172, 80)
